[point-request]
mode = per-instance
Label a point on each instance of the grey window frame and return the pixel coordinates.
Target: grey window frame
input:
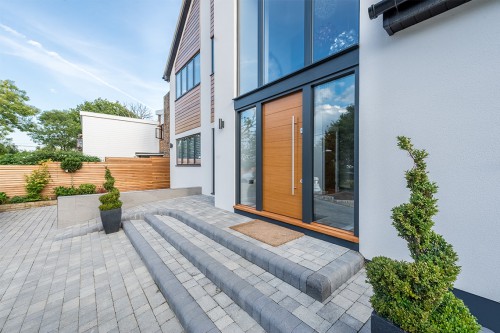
(182, 154)
(190, 69)
(308, 47)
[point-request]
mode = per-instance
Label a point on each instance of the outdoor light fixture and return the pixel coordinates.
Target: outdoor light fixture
(221, 123)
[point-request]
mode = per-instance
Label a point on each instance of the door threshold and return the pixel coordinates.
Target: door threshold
(314, 226)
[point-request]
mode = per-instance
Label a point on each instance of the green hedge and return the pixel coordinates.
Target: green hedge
(82, 189)
(37, 156)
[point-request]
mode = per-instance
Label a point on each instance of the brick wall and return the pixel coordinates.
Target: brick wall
(165, 143)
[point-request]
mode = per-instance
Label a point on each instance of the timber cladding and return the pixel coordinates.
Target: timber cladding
(131, 174)
(190, 42)
(187, 111)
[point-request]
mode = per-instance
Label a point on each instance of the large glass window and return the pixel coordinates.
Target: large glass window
(188, 150)
(248, 160)
(188, 77)
(334, 111)
(248, 44)
(283, 37)
(335, 26)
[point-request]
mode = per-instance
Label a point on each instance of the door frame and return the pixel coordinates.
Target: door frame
(267, 94)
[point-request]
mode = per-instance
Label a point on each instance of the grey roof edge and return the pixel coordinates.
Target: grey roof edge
(181, 22)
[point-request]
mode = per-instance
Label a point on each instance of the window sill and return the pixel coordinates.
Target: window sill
(188, 165)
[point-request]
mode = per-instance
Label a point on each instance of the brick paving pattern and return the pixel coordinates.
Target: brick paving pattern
(82, 280)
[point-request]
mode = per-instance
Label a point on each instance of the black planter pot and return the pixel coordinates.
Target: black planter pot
(382, 325)
(111, 220)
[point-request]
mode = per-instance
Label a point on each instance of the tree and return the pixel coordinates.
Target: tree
(57, 129)
(101, 105)
(14, 112)
(7, 147)
(140, 110)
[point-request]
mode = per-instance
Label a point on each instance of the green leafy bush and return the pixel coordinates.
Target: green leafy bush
(110, 200)
(87, 189)
(37, 156)
(71, 164)
(3, 198)
(68, 191)
(18, 199)
(36, 182)
(62, 191)
(417, 295)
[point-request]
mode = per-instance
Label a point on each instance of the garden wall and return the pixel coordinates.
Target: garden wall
(131, 174)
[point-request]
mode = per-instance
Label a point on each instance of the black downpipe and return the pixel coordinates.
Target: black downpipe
(383, 6)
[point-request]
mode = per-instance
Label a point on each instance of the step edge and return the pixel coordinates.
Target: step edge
(188, 311)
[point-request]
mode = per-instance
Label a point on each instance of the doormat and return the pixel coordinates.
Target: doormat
(267, 232)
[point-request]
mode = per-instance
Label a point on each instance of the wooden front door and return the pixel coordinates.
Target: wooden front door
(282, 156)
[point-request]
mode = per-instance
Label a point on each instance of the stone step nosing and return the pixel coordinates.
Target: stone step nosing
(317, 284)
(188, 311)
(270, 315)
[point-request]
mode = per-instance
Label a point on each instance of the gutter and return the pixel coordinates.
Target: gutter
(383, 6)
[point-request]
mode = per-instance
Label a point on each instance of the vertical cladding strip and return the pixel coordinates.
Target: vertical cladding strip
(190, 42)
(188, 108)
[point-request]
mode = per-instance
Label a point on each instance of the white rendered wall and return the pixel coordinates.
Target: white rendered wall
(225, 74)
(437, 82)
(205, 98)
(112, 136)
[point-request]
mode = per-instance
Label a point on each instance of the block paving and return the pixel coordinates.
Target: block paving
(81, 280)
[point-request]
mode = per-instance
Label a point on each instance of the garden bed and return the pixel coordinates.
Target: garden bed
(26, 205)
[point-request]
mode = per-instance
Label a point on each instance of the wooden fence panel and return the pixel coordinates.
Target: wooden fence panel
(131, 174)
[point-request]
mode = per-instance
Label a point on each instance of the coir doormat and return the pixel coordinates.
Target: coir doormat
(267, 232)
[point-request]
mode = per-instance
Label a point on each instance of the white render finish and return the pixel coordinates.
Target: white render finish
(437, 82)
(225, 85)
(113, 136)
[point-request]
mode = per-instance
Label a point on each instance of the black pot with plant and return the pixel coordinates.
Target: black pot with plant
(111, 206)
(417, 296)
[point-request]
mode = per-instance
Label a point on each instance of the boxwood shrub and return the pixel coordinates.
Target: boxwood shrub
(416, 296)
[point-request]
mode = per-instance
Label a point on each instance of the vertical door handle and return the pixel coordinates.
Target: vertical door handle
(293, 155)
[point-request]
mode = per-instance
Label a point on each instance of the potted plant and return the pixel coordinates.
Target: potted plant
(111, 206)
(416, 296)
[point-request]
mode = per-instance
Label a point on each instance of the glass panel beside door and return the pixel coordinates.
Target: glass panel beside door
(334, 179)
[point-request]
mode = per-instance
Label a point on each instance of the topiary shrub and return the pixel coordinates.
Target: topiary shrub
(3, 198)
(36, 182)
(110, 200)
(71, 164)
(416, 296)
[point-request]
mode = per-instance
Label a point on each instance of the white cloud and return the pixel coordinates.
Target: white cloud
(63, 68)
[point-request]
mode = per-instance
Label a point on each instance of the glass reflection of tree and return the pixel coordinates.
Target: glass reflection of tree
(339, 154)
(248, 141)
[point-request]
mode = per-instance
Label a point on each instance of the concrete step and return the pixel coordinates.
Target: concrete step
(258, 304)
(318, 281)
(347, 309)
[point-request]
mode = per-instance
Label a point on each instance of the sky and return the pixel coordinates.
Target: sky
(65, 52)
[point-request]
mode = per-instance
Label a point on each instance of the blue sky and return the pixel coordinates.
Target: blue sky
(64, 52)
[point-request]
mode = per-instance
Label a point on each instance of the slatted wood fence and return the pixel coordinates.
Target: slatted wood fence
(131, 174)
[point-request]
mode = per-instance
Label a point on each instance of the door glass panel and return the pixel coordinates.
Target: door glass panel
(334, 108)
(248, 160)
(335, 26)
(283, 37)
